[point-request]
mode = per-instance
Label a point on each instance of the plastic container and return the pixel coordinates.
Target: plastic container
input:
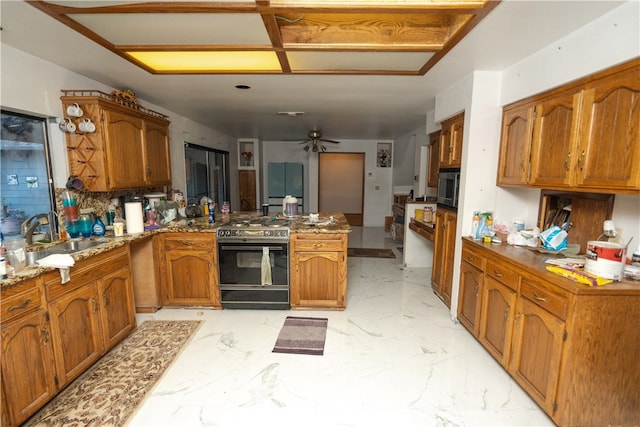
(635, 257)
(98, 227)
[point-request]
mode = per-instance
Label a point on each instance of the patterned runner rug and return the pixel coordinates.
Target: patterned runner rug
(110, 391)
(370, 252)
(302, 335)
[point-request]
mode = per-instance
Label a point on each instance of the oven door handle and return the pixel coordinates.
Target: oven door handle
(249, 248)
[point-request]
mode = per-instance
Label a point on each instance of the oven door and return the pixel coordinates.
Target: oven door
(240, 273)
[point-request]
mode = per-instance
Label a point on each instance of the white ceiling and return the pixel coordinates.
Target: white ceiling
(343, 106)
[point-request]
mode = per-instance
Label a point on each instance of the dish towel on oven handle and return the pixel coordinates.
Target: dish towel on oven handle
(265, 267)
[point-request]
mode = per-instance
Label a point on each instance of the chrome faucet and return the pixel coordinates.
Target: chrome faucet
(30, 224)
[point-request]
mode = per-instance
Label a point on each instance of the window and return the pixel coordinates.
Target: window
(26, 186)
(207, 173)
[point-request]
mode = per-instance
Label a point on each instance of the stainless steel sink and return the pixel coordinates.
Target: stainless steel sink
(69, 247)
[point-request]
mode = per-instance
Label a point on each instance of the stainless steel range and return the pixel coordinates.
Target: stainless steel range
(253, 263)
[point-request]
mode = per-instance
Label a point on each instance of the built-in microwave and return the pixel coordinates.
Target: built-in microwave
(448, 187)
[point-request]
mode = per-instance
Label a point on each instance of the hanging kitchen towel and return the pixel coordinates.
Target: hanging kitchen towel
(60, 261)
(265, 267)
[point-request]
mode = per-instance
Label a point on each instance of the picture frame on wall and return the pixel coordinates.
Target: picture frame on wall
(383, 158)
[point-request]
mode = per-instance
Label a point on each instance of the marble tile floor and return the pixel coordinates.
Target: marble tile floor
(392, 358)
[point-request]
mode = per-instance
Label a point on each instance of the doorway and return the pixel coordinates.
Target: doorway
(341, 185)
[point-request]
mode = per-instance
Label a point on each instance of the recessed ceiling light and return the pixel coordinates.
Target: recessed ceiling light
(291, 113)
(243, 87)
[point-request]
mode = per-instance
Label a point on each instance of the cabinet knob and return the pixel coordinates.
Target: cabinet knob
(45, 336)
(566, 162)
(497, 273)
(580, 165)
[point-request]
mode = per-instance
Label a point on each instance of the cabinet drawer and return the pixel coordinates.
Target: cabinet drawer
(189, 241)
(502, 274)
(472, 258)
(552, 302)
(318, 244)
(21, 303)
(85, 272)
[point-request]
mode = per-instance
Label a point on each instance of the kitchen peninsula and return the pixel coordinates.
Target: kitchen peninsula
(53, 329)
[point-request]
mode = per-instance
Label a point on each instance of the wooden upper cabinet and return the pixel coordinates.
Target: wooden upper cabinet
(124, 150)
(156, 151)
(584, 136)
(451, 142)
(129, 148)
(434, 152)
(608, 152)
(515, 145)
(554, 138)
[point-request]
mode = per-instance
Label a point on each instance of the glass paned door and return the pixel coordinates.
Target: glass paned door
(207, 172)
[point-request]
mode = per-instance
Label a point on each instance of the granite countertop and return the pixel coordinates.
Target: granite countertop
(299, 224)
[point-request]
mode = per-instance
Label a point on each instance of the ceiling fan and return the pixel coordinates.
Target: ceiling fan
(314, 141)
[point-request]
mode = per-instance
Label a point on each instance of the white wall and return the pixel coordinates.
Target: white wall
(32, 85)
(378, 194)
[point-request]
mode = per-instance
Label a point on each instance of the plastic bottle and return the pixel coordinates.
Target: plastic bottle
(212, 212)
(635, 257)
(98, 227)
(475, 224)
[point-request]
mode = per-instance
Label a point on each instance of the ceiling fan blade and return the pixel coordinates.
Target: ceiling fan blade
(305, 141)
(329, 140)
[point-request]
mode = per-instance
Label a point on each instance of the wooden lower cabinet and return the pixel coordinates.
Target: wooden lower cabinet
(469, 294)
(90, 313)
(189, 269)
(535, 352)
(53, 331)
(572, 348)
(443, 253)
(27, 366)
(318, 274)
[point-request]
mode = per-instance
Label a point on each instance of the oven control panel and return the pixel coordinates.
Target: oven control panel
(250, 234)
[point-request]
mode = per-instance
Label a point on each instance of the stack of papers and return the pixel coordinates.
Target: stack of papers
(567, 262)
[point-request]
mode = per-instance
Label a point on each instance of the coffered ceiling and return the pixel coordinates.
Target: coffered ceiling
(377, 84)
(391, 37)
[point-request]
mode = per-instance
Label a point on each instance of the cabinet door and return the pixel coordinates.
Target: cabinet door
(496, 319)
(554, 140)
(191, 278)
(434, 152)
(117, 307)
(318, 279)
(124, 149)
(536, 351)
(609, 150)
(449, 252)
(247, 189)
(515, 145)
(28, 379)
(75, 325)
(457, 126)
(471, 279)
(156, 151)
(444, 148)
(439, 248)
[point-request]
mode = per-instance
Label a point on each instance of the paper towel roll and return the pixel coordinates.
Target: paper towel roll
(133, 213)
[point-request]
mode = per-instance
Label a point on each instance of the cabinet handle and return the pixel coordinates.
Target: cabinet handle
(566, 162)
(81, 161)
(148, 170)
(317, 245)
(538, 297)
(522, 164)
(506, 313)
(476, 289)
(92, 176)
(470, 258)
(105, 297)
(497, 273)
(45, 336)
(20, 306)
(580, 165)
(95, 305)
(187, 243)
(518, 319)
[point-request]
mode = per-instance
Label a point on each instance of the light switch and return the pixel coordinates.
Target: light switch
(377, 188)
